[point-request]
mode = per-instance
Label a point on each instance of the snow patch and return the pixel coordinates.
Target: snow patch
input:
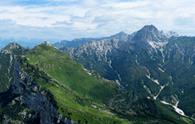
(118, 83)
(178, 110)
(182, 91)
(154, 80)
(136, 60)
(164, 102)
(157, 45)
(148, 97)
(110, 63)
(160, 69)
(94, 106)
(161, 88)
(87, 71)
(118, 75)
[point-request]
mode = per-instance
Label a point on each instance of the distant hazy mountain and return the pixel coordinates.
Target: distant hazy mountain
(30, 43)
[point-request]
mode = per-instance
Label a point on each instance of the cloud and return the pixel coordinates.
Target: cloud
(67, 19)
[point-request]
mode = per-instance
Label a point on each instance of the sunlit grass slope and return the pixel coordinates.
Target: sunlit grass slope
(76, 93)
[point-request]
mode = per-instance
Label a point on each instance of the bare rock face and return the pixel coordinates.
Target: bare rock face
(33, 104)
(6, 64)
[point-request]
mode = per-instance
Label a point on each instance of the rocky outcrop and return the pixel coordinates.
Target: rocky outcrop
(34, 105)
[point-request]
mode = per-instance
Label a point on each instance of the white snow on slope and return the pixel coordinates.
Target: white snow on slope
(160, 69)
(136, 60)
(161, 88)
(154, 80)
(87, 71)
(118, 83)
(119, 79)
(157, 45)
(178, 110)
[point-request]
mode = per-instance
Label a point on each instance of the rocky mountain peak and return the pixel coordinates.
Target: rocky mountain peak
(150, 37)
(149, 28)
(12, 48)
(12, 45)
(149, 33)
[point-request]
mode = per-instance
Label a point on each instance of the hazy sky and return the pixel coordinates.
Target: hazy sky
(68, 19)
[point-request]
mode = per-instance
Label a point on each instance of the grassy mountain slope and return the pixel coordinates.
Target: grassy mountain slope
(77, 94)
(70, 74)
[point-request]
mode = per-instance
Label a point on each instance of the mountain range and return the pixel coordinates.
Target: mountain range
(147, 64)
(146, 77)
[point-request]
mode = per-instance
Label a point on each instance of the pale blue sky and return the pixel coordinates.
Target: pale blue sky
(68, 19)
